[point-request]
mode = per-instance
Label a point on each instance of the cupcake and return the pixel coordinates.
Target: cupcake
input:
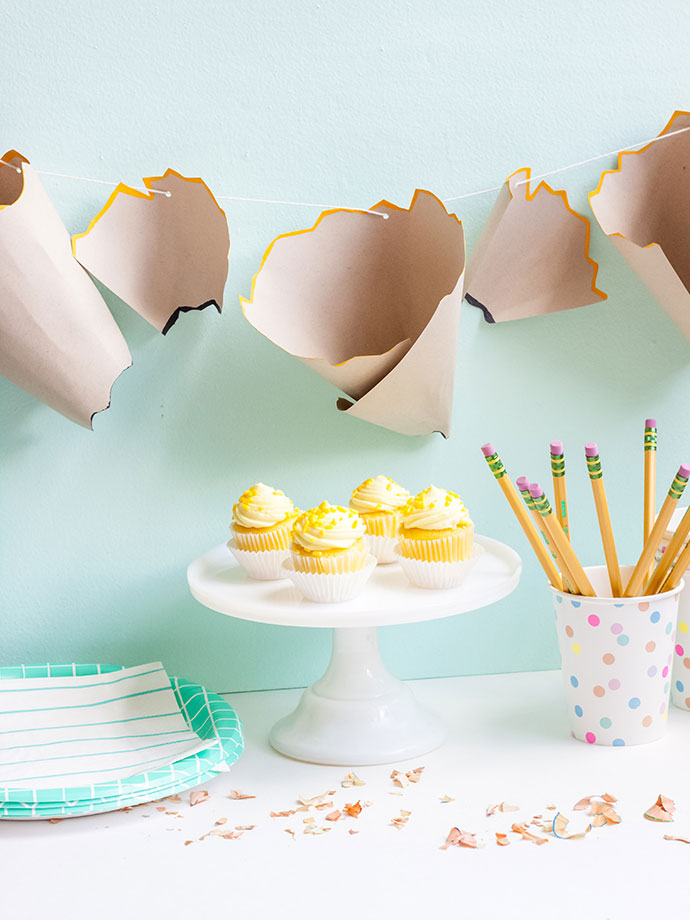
(262, 522)
(329, 556)
(378, 502)
(435, 539)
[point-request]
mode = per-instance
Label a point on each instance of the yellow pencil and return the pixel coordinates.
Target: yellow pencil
(649, 480)
(562, 548)
(522, 482)
(558, 476)
(677, 572)
(680, 480)
(499, 471)
(675, 545)
(604, 518)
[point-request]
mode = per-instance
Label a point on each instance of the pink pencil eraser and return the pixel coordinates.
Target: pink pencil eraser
(591, 450)
(684, 471)
(535, 490)
(488, 449)
(522, 483)
(556, 448)
(650, 423)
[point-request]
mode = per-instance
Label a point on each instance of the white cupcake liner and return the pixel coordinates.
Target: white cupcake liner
(330, 588)
(264, 565)
(437, 574)
(382, 547)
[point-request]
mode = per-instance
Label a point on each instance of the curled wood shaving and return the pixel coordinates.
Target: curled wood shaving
(415, 775)
(334, 815)
(560, 827)
(222, 821)
(502, 806)
(399, 779)
(527, 835)
(234, 794)
(173, 798)
(458, 838)
(197, 796)
(679, 839)
(323, 806)
(502, 840)
(661, 810)
(187, 842)
(54, 820)
(402, 820)
(445, 799)
(315, 831)
(353, 811)
(288, 831)
(353, 831)
(351, 779)
(282, 814)
(161, 808)
(315, 799)
(245, 827)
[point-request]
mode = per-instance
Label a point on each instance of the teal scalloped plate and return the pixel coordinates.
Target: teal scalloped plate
(206, 713)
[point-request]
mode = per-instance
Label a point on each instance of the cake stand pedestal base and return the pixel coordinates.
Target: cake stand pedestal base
(358, 713)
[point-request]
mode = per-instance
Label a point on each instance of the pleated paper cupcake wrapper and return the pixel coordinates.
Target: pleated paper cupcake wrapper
(263, 541)
(330, 588)
(343, 563)
(383, 548)
(382, 524)
(437, 574)
(616, 658)
(458, 545)
(266, 565)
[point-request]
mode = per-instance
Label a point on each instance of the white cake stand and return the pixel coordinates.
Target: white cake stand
(357, 713)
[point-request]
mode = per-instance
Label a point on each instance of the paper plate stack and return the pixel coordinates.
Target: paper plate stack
(84, 738)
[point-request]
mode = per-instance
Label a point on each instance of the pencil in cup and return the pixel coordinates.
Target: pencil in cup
(522, 482)
(649, 501)
(563, 549)
(604, 518)
(496, 466)
(559, 490)
(675, 545)
(635, 583)
(675, 576)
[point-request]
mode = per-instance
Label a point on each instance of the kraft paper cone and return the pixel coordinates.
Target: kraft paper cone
(58, 340)
(162, 255)
(533, 255)
(373, 306)
(643, 206)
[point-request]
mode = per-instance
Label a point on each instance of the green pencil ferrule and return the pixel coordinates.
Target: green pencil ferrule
(542, 505)
(594, 467)
(529, 501)
(677, 486)
(496, 466)
(557, 465)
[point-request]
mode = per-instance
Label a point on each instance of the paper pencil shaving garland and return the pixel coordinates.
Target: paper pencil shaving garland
(554, 552)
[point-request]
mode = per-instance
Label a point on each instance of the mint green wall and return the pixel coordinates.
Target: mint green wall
(343, 103)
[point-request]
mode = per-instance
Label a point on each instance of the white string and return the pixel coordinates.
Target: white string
(307, 204)
(552, 172)
(300, 204)
(138, 188)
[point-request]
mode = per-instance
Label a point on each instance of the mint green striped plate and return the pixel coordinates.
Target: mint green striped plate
(206, 713)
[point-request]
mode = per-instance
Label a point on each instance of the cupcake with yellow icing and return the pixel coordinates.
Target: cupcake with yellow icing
(329, 556)
(436, 539)
(262, 521)
(379, 502)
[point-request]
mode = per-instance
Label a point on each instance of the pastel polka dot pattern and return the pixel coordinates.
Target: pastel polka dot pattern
(616, 661)
(686, 662)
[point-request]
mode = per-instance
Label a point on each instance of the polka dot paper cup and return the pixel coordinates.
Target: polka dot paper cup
(680, 684)
(616, 656)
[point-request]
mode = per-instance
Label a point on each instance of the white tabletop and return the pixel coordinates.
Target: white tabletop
(218, 582)
(508, 742)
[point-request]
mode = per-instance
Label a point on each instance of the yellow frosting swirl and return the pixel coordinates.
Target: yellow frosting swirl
(327, 527)
(261, 507)
(378, 494)
(435, 509)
